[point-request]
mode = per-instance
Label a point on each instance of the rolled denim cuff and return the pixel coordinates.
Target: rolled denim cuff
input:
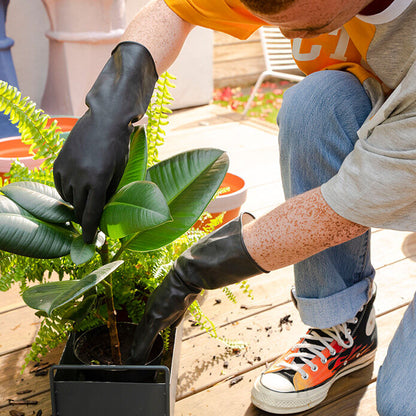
(335, 309)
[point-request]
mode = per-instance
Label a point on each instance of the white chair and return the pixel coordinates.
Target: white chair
(277, 53)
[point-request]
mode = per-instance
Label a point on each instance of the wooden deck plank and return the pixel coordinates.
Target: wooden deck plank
(10, 299)
(218, 397)
(18, 329)
(13, 382)
(40, 402)
(268, 290)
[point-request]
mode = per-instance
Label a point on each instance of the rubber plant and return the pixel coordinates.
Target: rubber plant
(154, 205)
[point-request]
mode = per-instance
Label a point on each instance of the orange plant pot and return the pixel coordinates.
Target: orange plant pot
(12, 148)
(228, 202)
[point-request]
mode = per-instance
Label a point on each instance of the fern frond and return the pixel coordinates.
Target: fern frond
(157, 114)
(166, 338)
(231, 343)
(230, 295)
(202, 320)
(49, 336)
(245, 286)
(209, 327)
(31, 123)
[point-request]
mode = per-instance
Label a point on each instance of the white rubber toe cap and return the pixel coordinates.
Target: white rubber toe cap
(276, 382)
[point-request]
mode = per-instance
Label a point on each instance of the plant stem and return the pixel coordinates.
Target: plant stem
(112, 322)
(111, 311)
(121, 249)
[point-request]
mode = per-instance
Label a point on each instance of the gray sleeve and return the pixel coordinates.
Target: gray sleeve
(376, 184)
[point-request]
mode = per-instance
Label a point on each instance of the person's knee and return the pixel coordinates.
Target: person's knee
(324, 104)
(322, 93)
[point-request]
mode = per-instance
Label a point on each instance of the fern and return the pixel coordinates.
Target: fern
(158, 116)
(202, 320)
(32, 122)
(244, 285)
(230, 295)
(51, 334)
(209, 327)
(166, 335)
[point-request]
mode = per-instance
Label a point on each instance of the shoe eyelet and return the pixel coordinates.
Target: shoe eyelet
(305, 376)
(355, 320)
(349, 331)
(324, 361)
(333, 352)
(315, 368)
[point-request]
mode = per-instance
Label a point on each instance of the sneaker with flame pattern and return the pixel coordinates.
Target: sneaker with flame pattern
(301, 378)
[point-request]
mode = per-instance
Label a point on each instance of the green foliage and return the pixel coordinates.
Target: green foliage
(230, 295)
(188, 181)
(52, 332)
(71, 296)
(202, 320)
(137, 164)
(157, 114)
(45, 141)
(54, 295)
(245, 286)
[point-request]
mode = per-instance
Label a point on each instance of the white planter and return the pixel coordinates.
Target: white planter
(81, 37)
(193, 70)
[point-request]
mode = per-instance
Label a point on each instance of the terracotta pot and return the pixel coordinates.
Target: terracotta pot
(229, 202)
(65, 123)
(12, 148)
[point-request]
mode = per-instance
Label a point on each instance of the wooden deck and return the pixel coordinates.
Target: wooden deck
(213, 379)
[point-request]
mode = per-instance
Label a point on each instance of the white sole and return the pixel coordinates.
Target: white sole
(294, 402)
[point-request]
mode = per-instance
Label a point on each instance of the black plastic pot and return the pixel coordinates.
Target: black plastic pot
(96, 342)
(106, 390)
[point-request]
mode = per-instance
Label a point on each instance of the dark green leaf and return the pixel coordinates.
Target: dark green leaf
(40, 200)
(79, 312)
(188, 181)
(81, 252)
(7, 206)
(32, 237)
(137, 163)
(50, 296)
(136, 207)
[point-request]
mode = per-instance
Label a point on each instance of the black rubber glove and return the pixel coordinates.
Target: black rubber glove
(217, 260)
(92, 161)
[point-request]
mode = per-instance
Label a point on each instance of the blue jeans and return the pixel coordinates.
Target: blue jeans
(318, 125)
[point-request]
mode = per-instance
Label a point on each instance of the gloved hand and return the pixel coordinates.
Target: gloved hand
(217, 260)
(92, 161)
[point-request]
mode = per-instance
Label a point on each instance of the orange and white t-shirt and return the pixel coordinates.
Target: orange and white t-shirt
(376, 184)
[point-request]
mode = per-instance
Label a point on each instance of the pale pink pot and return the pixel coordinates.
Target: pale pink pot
(81, 37)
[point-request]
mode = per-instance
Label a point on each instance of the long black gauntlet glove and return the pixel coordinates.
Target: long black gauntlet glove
(217, 260)
(92, 161)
